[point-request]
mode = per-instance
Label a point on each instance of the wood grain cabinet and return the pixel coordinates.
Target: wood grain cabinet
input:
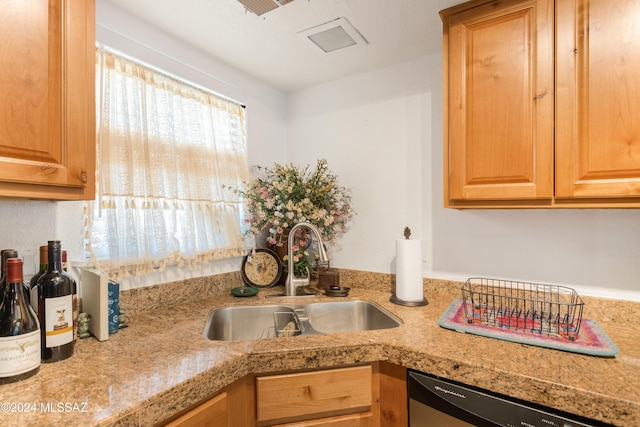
(373, 395)
(212, 413)
(47, 113)
(316, 394)
(358, 396)
(540, 100)
(598, 99)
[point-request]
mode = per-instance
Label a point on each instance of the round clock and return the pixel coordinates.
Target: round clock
(261, 268)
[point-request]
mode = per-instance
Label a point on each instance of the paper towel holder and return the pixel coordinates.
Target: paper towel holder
(394, 299)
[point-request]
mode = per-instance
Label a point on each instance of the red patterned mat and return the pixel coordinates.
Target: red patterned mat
(591, 340)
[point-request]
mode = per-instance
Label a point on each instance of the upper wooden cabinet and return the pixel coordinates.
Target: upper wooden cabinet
(533, 123)
(499, 102)
(47, 113)
(598, 99)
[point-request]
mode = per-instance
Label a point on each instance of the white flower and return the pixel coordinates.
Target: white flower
(286, 195)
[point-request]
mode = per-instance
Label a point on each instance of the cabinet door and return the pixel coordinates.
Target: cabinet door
(598, 99)
(47, 113)
(354, 420)
(212, 413)
(498, 70)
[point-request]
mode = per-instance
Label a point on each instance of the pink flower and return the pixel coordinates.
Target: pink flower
(295, 248)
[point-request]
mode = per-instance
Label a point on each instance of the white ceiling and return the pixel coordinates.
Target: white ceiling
(268, 48)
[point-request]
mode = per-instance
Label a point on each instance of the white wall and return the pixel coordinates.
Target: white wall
(373, 129)
(382, 134)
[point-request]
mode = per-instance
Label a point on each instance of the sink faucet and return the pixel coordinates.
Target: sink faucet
(292, 281)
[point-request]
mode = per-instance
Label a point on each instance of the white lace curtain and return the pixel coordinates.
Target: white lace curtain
(169, 157)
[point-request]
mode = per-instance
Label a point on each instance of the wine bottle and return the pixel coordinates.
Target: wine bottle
(5, 254)
(19, 328)
(33, 283)
(55, 307)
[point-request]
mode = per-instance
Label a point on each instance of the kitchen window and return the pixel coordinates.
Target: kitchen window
(170, 159)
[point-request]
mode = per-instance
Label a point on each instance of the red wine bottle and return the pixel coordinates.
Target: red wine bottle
(5, 254)
(55, 308)
(19, 328)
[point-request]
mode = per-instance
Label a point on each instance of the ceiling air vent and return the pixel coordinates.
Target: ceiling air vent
(260, 7)
(333, 35)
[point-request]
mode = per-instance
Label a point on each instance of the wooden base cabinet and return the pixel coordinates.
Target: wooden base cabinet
(212, 413)
(311, 395)
(373, 395)
(540, 104)
(234, 406)
(359, 396)
(355, 420)
(47, 113)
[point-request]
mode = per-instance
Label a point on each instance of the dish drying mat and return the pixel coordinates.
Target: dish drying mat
(591, 340)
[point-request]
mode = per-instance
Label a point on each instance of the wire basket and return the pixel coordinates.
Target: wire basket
(528, 307)
(287, 324)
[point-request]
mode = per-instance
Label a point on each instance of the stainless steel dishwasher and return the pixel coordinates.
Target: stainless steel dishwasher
(436, 402)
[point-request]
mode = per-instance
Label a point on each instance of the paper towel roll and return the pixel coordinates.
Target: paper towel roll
(409, 270)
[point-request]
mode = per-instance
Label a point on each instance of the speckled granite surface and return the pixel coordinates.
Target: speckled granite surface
(161, 364)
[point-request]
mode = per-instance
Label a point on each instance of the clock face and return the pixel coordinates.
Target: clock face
(261, 268)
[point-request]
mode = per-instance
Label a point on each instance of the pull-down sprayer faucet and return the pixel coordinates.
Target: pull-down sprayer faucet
(293, 282)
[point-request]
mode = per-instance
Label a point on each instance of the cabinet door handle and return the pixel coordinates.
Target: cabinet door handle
(83, 177)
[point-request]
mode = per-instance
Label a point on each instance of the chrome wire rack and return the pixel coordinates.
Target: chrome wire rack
(528, 307)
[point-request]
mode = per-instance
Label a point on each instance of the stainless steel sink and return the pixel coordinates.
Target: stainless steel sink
(345, 316)
(243, 322)
(254, 322)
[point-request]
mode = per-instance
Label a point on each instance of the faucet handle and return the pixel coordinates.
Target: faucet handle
(323, 264)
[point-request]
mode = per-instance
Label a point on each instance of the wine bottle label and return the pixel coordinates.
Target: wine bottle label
(58, 324)
(19, 353)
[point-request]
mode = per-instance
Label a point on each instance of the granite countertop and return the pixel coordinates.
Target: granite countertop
(161, 364)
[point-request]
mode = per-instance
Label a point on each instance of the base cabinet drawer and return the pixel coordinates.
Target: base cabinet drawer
(302, 396)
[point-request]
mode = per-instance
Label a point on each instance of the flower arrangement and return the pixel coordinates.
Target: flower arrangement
(285, 195)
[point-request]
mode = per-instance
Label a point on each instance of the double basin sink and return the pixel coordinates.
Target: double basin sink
(255, 322)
